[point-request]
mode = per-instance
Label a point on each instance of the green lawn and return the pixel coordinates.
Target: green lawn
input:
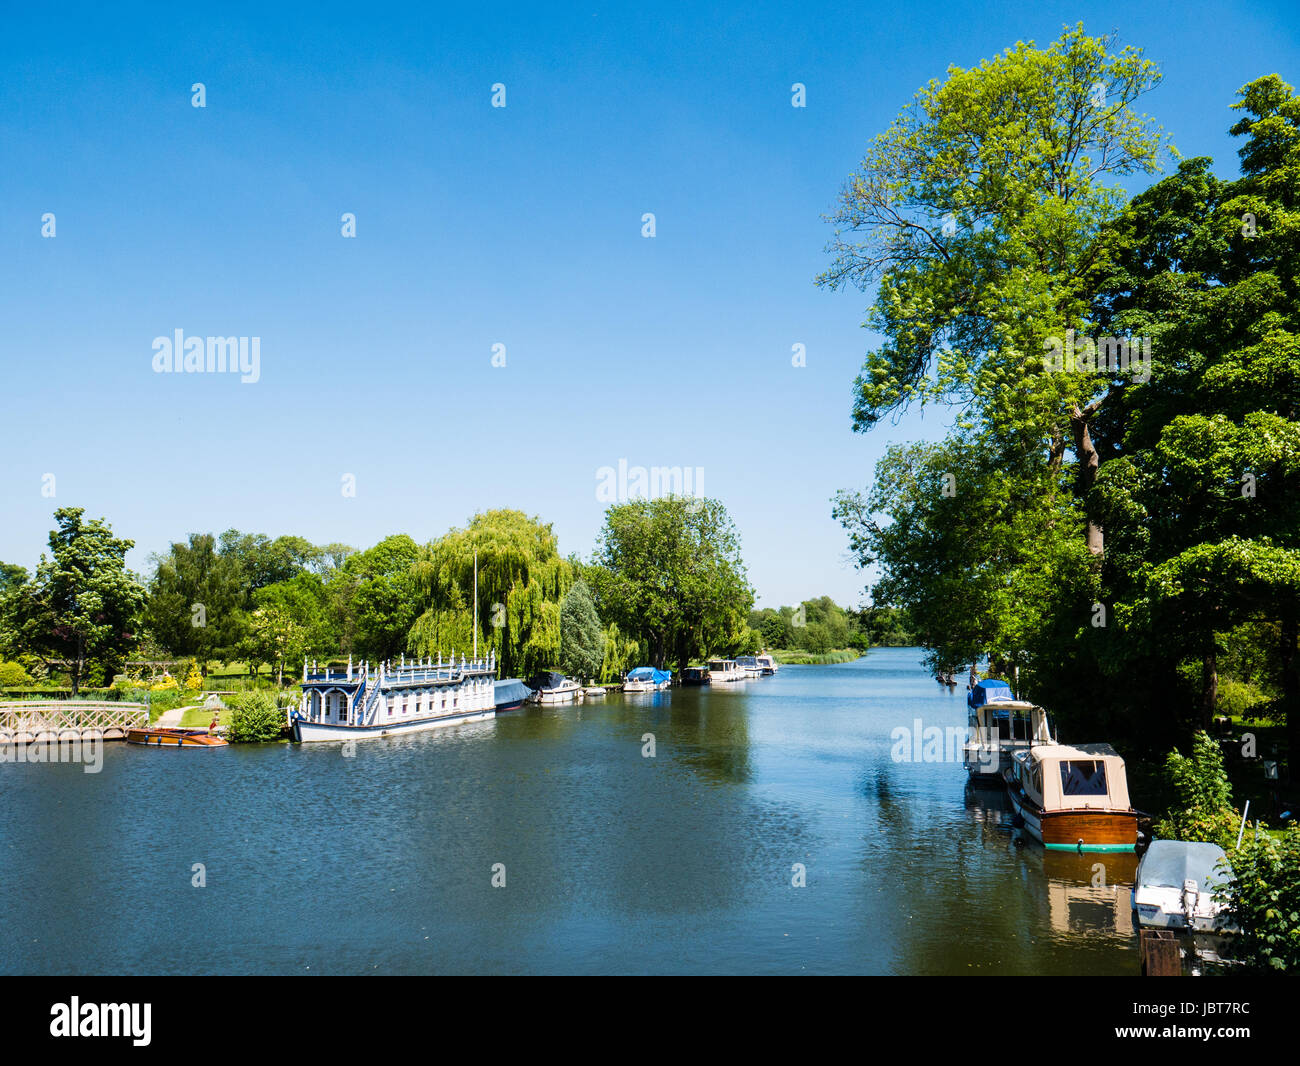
(202, 716)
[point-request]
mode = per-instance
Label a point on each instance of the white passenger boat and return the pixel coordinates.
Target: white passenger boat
(380, 701)
(767, 665)
(748, 665)
(721, 670)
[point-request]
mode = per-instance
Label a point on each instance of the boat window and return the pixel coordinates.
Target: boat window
(1083, 778)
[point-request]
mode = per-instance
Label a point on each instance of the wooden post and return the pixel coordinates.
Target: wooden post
(1160, 954)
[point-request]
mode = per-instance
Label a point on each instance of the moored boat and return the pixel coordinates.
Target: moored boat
(1073, 798)
(1175, 884)
(510, 694)
(371, 702)
(695, 675)
(766, 665)
(646, 679)
(550, 687)
(164, 737)
(593, 692)
(748, 665)
(999, 725)
(721, 670)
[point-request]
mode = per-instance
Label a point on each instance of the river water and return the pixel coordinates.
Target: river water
(684, 862)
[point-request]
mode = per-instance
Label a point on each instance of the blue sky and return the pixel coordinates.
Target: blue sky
(477, 226)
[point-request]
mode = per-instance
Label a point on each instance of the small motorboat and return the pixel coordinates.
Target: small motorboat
(1175, 886)
(551, 686)
(162, 737)
(767, 665)
(646, 679)
(593, 691)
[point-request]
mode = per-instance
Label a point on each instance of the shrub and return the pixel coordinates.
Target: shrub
(194, 681)
(1263, 900)
(254, 718)
(12, 674)
(1203, 810)
(166, 684)
(1239, 698)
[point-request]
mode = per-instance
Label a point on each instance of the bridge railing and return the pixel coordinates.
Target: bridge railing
(23, 721)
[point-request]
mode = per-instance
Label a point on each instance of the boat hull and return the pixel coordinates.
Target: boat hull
(1078, 830)
(163, 737)
(308, 732)
(553, 696)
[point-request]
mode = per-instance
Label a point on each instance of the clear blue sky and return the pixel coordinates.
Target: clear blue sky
(477, 226)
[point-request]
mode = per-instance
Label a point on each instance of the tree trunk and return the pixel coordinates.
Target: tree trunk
(1089, 463)
(1209, 687)
(1291, 690)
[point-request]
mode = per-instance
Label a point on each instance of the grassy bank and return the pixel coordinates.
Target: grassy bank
(799, 657)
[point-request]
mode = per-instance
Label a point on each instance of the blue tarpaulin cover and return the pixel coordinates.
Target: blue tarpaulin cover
(989, 691)
(511, 690)
(649, 673)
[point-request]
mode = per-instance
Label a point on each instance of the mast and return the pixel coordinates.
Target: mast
(476, 603)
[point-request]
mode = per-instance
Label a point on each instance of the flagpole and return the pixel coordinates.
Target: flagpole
(476, 604)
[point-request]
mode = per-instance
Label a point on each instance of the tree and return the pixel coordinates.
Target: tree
(255, 718)
(522, 580)
(195, 597)
(668, 571)
(582, 640)
(83, 604)
(273, 637)
(977, 215)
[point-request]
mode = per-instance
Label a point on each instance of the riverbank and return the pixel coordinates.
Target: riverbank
(799, 657)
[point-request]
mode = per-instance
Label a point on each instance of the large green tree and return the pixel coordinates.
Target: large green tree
(195, 600)
(82, 605)
(668, 571)
(582, 639)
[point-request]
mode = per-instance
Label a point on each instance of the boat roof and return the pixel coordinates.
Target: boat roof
(1168, 863)
(547, 679)
(509, 689)
(648, 673)
(1067, 787)
(1070, 752)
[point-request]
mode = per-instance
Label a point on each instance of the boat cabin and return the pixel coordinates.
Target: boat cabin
(1074, 798)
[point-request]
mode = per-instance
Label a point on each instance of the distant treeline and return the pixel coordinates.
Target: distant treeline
(821, 625)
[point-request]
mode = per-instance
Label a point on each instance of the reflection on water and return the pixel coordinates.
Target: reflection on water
(615, 862)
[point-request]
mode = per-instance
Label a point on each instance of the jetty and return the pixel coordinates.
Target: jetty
(50, 721)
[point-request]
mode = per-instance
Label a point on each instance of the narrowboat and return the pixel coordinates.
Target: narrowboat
(721, 670)
(695, 675)
(384, 700)
(550, 686)
(1000, 725)
(646, 679)
(1073, 798)
(163, 737)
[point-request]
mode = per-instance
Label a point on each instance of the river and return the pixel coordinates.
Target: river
(612, 861)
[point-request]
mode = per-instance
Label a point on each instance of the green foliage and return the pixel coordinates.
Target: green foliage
(815, 626)
(1263, 900)
(255, 718)
(1203, 809)
(668, 571)
(522, 580)
(82, 605)
(621, 654)
(582, 640)
(1239, 699)
(13, 674)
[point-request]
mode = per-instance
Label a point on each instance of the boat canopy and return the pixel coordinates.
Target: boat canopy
(547, 679)
(649, 673)
(989, 691)
(1080, 776)
(511, 690)
(1168, 863)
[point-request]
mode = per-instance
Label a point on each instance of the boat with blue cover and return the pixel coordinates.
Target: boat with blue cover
(999, 726)
(646, 679)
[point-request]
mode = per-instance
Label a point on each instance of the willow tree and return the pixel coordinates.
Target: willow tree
(976, 215)
(522, 579)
